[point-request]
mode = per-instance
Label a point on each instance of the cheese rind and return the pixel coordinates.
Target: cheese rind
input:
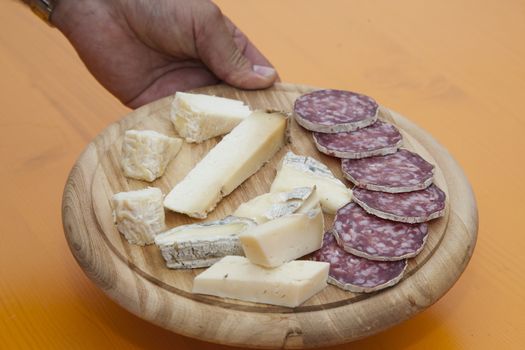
(288, 285)
(284, 239)
(139, 215)
(146, 154)
(201, 245)
(306, 171)
(270, 206)
(235, 158)
(199, 117)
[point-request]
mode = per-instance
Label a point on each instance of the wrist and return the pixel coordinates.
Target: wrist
(69, 15)
(62, 14)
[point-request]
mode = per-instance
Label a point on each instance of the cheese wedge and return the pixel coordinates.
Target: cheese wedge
(201, 245)
(146, 153)
(139, 215)
(200, 117)
(306, 171)
(271, 206)
(288, 285)
(284, 239)
(238, 156)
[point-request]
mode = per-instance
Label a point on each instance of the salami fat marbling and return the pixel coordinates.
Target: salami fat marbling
(354, 273)
(410, 207)
(371, 237)
(403, 171)
(377, 139)
(332, 111)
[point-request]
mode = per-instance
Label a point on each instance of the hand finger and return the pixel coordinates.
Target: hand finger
(219, 51)
(250, 51)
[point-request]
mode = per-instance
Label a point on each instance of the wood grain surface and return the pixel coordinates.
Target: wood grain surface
(136, 277)
(455, 67)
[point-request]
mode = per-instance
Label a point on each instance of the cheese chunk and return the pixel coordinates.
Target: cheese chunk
(201, 245)
(284, 239)
(305, 171)
(237, 157)
(139, 215)
(200, 117)
(288, 285)
(271, 206)
(146, 153)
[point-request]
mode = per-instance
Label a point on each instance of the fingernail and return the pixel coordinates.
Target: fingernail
(264, 70)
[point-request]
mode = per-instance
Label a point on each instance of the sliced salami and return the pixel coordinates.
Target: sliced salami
(410, 207)
(331, 111)
(354, 273)
(377, 139)
(403, 171)
(370, 237)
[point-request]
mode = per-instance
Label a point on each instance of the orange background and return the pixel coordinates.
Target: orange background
(455, 67)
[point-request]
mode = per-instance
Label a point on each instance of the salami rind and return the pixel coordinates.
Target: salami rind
(370, 237)
(356, 274)
(332, 111)
(402, 171)
(377, 139)
(409, 207)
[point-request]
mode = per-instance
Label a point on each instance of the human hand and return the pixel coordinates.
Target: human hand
(141, 50)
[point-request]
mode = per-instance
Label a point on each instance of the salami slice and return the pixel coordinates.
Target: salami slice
(370, 237)
(403, 171)
(410, 207)
(357, 274)
(377, 139)
(331, 111)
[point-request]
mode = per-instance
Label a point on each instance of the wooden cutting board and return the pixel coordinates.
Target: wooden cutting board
(136, 277)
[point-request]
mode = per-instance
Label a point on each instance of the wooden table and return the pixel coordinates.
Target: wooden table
(456, 68)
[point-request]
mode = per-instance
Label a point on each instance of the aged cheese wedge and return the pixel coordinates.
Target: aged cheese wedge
(200, 117)
(271, 206)
(288, 285)
(305, 171)
(146, 153)
(237, 157)
(284, 239)
(139, 215)
(201, 245)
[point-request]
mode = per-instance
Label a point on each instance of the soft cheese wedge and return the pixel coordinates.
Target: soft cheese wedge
(271, 206)
(146, 153)
(201, 245)
(235, 158)
(139, 215)
(284, 239)
(288, 285)
(200, 117)
(306, 171)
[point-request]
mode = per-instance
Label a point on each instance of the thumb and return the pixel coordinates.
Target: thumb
(217, 49)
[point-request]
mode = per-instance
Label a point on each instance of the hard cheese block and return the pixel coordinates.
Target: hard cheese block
(284, 239)
(139, 215)
(200, 117)
(237, 157)
(288, 285)
(146, 153)
(201, 245)
(305, 171)
(270, 206)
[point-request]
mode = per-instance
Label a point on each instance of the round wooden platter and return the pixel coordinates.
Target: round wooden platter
(136, 277)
